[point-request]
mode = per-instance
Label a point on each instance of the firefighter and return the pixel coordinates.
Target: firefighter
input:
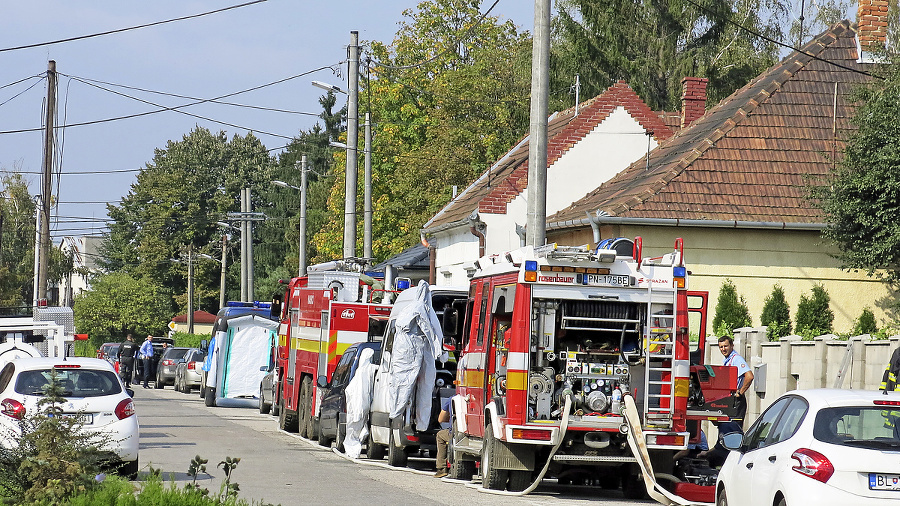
(889, 384)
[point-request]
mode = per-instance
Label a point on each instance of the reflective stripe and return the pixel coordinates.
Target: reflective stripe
(681, 368)
(517, 360)
(516, 380)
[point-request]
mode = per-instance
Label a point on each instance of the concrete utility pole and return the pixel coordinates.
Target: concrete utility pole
(302, 231)
(46, 184)
(537, 144)
(367, 198)
(352, 142)
(246, 217)
(222, 281)
(244, 234)
(190, 294)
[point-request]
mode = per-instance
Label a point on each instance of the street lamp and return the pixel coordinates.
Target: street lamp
(301, 257)
(329, 87)
(222, 280)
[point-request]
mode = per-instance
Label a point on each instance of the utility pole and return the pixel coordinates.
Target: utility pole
(244, 256)
(222, 281)
(537, 145)
(302, 231)
(367, 198)
(246, 217)
(46, 185)
(352, 142)
(190, 294)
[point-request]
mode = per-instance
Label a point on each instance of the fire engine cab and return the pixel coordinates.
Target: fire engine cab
(554, 337)
(321, 315)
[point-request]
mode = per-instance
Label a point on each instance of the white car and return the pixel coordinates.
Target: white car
(93, 392)
(822, 447)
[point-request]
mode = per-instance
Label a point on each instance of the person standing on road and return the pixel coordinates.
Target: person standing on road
(442, 439)
(126, 359)
(146, 353)
(745, 377)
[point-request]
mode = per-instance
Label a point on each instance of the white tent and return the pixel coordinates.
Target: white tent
(238, 356)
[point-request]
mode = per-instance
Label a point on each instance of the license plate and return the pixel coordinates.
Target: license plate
(606, 280)
(82, 418)
(882, 481)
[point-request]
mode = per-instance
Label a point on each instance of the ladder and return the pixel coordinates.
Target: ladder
(659, 352)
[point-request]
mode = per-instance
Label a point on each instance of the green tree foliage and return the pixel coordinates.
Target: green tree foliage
(120, 304)
(861, 200)
(17, 209)
(814, 314)
(818, 17)
(731, 311)
(448, 97)
(776, 314)
(173, 208)
(653, 45)
(865, 324)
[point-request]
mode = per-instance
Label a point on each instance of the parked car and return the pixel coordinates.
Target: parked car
(165, 371)
(187, 372)
(138, 373)
(823, 447)
(108, 350)
(93, 393)
(268, 387)
(333, 407)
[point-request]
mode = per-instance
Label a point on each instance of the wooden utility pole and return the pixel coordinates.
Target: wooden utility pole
(43, 245)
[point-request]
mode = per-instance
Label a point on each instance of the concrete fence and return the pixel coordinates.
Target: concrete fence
(791, 363)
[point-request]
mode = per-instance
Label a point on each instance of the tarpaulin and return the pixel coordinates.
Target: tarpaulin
(418, 342)
(359, 398)
(238, 356)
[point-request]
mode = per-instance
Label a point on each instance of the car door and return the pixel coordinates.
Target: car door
(738, 473)
(774, 457)
(331, 401)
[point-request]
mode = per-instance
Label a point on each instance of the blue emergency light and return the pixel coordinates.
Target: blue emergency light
(531, 265)
(679, 272)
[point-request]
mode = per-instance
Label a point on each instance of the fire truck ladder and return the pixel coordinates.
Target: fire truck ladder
(659, 352)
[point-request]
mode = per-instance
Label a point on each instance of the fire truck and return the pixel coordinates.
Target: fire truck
(555, 338)
(321, 315)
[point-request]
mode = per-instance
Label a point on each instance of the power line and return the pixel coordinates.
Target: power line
(23, 91)
(119, 30)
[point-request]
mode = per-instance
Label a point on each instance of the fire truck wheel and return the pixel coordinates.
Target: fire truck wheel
(491, 477)
(633, 486)
(210, 399)
(305, 406)
(397, 455)
(519, 480)
(287, 421)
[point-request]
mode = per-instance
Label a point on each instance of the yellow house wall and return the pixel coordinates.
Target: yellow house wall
(756, 260)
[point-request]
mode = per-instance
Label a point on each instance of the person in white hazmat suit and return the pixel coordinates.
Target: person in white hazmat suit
(419, 341)
(359, 398)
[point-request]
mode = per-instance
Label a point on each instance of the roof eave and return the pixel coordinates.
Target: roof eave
(677, 222)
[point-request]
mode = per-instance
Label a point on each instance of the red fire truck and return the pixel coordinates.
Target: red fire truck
(555, 337)
(321, 315)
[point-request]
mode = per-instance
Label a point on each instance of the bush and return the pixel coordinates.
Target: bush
(865, 324)
(814, 314)
(731, 311)
(776, 314)
(183, 339)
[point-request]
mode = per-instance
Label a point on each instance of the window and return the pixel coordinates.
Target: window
(858, 426)
(75, 382)
(343, 368)
(790, 420)
(6, 375)
(482, 316)
(759, 431)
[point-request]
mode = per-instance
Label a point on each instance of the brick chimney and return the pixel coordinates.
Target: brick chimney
(693, 98)
(872, 19)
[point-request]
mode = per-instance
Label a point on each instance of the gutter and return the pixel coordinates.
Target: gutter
(432, 258)
(601, 218)
(475, 228)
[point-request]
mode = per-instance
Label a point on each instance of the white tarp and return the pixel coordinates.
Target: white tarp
(239, 354)
(359, 398)
(418, 342)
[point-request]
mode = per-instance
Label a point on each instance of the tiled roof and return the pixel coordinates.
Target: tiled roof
(750, 158)
(199, 317)
(414, 257)
(507, 178)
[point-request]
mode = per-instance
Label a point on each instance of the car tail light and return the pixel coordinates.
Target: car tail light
(12, 408)
(168, 361)
(886, 403)
(66, 366)
(192, 365)
(813, 464)
(125, 409)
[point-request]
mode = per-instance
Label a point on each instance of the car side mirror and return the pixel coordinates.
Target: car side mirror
(322, 381)
(733, 440)
(264, 368)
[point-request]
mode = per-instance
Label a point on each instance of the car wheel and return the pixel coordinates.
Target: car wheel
(202, 392)
(339, 442)
(397, 455)
(157, 384)
(129, 469)
(276, 408)
(722, 499)
(210, 399)
(263, 407)
(323, 439)
(491, 477)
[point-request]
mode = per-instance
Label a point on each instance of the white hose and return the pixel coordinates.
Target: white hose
(562, 433)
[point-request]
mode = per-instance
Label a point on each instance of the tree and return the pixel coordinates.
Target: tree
(731, 311)
(776, 314)
(653, 45)
(448, 98)
(861, 197)
(119, 304)
(865, 324)
(814, 314)
(172, 210)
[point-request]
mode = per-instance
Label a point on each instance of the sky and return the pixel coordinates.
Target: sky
(202, 57)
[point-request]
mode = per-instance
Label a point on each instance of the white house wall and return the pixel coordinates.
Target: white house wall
(455, 249)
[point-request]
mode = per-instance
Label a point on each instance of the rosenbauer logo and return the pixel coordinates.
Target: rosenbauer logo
(348, 314)
(556, 279)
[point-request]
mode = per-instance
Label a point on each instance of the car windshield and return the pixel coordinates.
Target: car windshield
(864, 426)
(75, 382)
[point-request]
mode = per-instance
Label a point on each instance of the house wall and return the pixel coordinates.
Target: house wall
(455, 249)
(756, 260)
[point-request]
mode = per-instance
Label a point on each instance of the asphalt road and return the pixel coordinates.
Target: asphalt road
(281, 468)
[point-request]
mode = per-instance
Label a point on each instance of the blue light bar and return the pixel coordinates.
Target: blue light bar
(679, 272)
(530, 265)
